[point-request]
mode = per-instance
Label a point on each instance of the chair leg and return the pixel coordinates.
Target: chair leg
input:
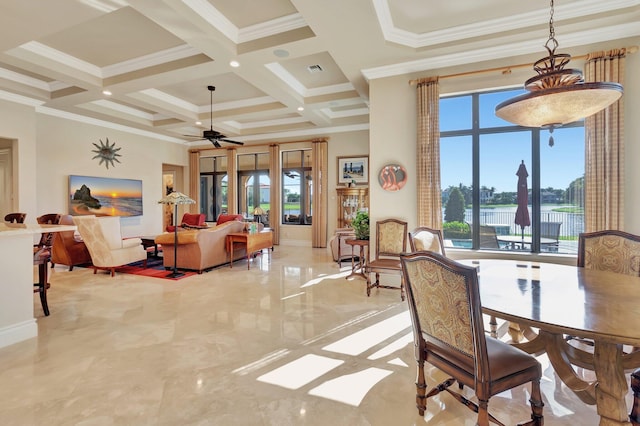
(421, 390)
(483, 413)
(113, 272)
(70, 268)
(43, 277)
(537, 418)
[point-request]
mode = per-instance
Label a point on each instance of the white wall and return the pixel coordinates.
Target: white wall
(50, 148)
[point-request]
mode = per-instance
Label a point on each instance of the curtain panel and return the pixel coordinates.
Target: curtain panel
(428, 154)
(319, 200)
(604, 149)
(274, 192)
(194, 181)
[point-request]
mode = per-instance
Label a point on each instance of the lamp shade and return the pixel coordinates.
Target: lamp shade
(258, 211)
(176, 198)
(560, 105)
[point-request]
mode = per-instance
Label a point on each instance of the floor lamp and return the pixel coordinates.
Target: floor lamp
(176, 198)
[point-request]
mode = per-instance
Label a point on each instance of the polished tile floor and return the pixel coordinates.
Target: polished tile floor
(290, 342)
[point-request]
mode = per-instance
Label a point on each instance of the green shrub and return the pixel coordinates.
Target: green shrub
(456, 230)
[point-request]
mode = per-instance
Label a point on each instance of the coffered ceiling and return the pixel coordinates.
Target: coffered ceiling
(157, 57)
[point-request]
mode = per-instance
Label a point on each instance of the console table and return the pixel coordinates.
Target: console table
(252, 242)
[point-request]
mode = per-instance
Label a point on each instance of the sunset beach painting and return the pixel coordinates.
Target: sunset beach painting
(104, 196)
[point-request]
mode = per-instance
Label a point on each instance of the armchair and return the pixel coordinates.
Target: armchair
(103, 238)
(67, 249)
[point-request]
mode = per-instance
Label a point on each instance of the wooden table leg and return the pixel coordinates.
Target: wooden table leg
(612, 384)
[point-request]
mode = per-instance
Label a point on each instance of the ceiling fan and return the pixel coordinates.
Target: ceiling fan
(211, 135)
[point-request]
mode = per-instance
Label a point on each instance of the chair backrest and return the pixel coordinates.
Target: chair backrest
(550, 230)
(93, 236)
(46, 238)
(15, 217)
(488, 237)
(610, 250)
(444, 303)
(391, 237)
(423, 238)
(193, 219)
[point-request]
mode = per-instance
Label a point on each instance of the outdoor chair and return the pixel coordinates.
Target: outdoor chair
(15, 217)
(550, 230)
(488, 237)
(446, 317)
(391, 241)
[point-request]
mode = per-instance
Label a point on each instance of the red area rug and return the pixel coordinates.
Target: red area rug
(154, 269)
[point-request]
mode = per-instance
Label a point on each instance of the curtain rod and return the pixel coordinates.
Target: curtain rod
(507, 69)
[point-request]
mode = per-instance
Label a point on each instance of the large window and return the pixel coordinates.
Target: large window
(254, 186)
(213, 187)
(297, 188)
(480, 156)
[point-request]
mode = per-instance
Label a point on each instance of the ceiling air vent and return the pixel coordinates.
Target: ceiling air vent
(314, 68)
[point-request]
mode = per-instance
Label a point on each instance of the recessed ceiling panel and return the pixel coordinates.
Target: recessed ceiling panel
(113, 38)
(229, 87)
(304, 69)
(243, 13)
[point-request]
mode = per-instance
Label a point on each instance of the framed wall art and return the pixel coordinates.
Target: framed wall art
(353, 170)
(104, 196)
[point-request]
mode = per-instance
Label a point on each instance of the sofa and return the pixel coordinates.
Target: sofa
(201, 249)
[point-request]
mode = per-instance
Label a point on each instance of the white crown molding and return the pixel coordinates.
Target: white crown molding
(169, 99)
(157, 58)
(123, 109)
(24, 79)
(60, 57)
(272, 27)
(288, 78)
(331, 114)
(213, 16)
(243, 103)
(19, 99)
(502, 51)
(328, 90)
(106, 124)
(478, 29)
(266, 123)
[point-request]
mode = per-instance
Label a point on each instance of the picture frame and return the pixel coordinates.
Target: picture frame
(103, 196)
(353, 169)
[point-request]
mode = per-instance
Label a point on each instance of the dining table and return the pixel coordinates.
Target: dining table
(553, 301)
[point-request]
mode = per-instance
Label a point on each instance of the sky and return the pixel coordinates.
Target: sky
(502, 153)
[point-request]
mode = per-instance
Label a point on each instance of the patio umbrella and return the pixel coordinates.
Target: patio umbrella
(522, 212)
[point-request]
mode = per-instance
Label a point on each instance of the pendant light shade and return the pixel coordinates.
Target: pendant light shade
(557, 96)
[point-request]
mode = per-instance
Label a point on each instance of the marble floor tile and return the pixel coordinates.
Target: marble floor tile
(288, 342)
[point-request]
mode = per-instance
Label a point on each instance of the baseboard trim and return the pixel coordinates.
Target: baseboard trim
(18, 332)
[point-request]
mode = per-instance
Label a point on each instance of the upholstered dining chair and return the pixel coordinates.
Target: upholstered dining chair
(446, 317)
(391, 241)
(15, 217)
(41, 258)
(608, 250)
(424, 238)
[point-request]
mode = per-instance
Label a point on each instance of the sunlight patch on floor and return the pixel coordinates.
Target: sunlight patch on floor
(300, 372)
(351, 388)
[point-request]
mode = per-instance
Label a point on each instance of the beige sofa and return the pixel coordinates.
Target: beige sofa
(200, 249)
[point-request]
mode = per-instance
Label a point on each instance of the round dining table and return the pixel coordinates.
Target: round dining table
(555, 301)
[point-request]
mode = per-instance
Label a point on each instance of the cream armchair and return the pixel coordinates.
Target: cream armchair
(103, 238)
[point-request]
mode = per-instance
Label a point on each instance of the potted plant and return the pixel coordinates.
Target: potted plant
(360, 225)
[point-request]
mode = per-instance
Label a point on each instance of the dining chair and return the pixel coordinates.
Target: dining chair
(391, 241)
(446, 318)
(41, 258)
(15, 217)
(424, 238)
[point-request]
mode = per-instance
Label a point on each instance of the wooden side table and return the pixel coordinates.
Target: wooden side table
(252, 242)
(358, 269)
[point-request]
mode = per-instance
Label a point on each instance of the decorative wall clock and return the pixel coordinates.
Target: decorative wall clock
(392, 177)
(107, 153)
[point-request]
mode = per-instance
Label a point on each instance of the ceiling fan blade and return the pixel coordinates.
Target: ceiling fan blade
(192, 136)
(215, 142)
(230, 141)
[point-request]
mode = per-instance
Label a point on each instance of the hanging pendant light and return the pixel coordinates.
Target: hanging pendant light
(557, 96)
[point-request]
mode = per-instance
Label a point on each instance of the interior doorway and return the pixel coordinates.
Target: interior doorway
(7, 190)
(172, 180)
